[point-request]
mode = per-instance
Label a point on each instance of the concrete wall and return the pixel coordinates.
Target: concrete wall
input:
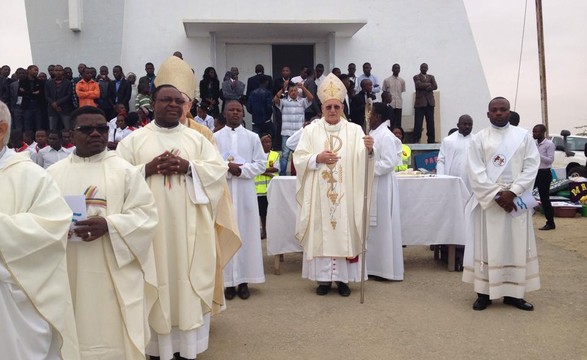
(397, 31)
(52, 42)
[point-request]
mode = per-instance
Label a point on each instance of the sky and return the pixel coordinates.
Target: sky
(497, 26)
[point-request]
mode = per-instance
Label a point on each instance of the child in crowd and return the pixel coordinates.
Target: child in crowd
(262, 181)
(120, 131)
(66, 137)
(293, 110)
(203, 118)
(143, 97)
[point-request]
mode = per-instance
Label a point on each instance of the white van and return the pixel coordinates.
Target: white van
(571, 152)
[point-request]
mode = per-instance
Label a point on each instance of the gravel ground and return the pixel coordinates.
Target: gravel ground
(427, 316)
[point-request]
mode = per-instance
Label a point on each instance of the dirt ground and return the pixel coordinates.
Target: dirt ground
(427, 316)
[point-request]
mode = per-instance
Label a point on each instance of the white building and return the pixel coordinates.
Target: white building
(273, 33)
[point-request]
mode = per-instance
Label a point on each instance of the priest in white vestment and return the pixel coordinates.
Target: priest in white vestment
(36, 313)
(331, 172)
(175, 71)
(501, 260)
(111, 254)
(452, 157)
(243, 151)
(384, 244)
(185, 174)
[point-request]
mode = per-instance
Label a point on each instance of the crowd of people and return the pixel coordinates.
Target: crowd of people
(173, 193)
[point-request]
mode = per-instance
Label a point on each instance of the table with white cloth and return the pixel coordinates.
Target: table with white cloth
(432, 211)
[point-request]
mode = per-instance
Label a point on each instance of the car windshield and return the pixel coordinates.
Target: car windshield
(576, 143)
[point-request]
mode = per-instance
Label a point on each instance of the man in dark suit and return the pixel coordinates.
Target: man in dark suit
(315, 108)
(59, 102)
(424, 104)
(233, 88)
(358, 102)
(254, 81)
(120, 89)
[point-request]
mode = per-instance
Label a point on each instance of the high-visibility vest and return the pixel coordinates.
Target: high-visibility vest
(406, 154)
(262, 181)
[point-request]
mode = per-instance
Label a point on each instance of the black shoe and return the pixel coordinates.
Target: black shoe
(519, 303)
(229, 293)
(343, 289)
(548, 227)
(377, 278)
(482, 302)
(243, 291)
(323, 289)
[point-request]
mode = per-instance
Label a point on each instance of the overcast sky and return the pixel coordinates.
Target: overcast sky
(497, 26)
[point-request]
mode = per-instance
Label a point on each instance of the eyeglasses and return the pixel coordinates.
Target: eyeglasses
(87, 129)
(336, 107)
(169, 100)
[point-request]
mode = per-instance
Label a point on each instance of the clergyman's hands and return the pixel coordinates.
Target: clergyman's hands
(91, 229)
(505, 199)
(167, 164)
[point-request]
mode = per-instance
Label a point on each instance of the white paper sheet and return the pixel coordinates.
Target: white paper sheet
(77, 204)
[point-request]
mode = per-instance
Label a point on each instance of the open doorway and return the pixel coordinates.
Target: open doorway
(294, 56)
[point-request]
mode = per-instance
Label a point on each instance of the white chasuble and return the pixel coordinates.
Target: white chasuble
(111, 307)
(36, 313)
(384, 244)
(330, 199)
(184, 243)
(227, 234)
(501, 259)
(244, 147)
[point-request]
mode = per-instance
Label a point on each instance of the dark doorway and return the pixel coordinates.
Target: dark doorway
(294, 56)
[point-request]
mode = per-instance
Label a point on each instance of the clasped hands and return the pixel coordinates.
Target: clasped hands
(167, 164)
(505, 199)
(90, 229)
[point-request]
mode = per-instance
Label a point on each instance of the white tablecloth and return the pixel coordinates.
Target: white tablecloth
(432, 212)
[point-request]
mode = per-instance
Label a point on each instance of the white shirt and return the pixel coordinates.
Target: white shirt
(48, 156)
(208, 121)
(373, 78)
(117, 134)
(395, 85)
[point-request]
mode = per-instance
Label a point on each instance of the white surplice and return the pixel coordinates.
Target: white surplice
(36, 313)
(330, 200)
(111, 306)
(384, 243)
(184, 244)
(501, 259)
(452, 157)
(242, 146)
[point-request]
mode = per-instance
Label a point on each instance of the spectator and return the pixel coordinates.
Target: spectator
(233, 88)
(367, 75)
(203, 118)
(406, 151)
(395, 85)
(210, 90)
(424, 104)
(293, 109)
(87, 90)
(254, 81)
(53, 153)
(262, 181)
(119, 89)
(58, 95)
(30, 91)
(359, 101)
(259, 105)
(149, 78)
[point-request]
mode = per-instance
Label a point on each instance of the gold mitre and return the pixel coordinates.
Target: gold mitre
(174, 71)
(331, 88)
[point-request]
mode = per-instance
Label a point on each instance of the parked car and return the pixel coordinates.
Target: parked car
(571, 153)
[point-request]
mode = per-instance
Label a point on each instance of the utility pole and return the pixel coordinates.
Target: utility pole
(542, 63)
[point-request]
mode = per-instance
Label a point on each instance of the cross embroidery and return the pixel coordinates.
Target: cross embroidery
(332, 89)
